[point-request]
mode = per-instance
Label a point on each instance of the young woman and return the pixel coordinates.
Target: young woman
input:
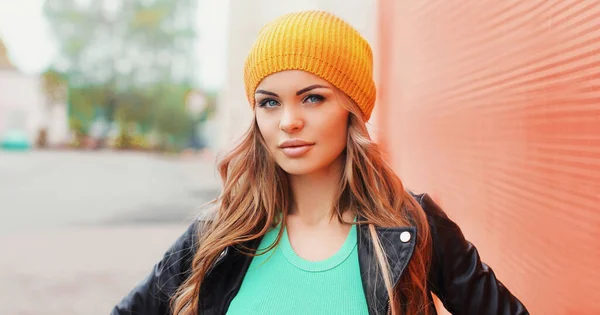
(311, 219)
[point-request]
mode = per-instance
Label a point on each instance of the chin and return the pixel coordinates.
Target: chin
(297, 167)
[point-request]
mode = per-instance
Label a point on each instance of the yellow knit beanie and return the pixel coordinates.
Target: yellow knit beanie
(317, 42)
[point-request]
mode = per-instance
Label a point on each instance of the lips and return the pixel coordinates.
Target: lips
(295, 148)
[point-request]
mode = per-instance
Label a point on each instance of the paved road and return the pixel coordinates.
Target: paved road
(79, 229)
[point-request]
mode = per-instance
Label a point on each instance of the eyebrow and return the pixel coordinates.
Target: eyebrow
(266, 92)
(312, 87)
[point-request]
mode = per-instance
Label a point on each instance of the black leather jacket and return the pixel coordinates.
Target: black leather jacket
(457, 276)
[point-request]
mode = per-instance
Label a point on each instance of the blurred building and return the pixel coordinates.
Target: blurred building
(23, 105)
(246, 18)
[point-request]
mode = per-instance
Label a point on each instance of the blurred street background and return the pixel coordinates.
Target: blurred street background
(113, 113)
(79, 229)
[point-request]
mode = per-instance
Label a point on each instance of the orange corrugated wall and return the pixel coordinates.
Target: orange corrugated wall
(493, 107)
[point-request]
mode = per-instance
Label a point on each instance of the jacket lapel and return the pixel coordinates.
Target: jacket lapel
(398, 244)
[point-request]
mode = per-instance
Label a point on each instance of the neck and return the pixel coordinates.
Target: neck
(314, 194)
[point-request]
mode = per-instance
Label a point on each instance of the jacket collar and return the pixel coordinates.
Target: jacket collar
(398, 244)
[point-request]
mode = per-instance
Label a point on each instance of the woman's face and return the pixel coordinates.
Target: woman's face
(301, 120)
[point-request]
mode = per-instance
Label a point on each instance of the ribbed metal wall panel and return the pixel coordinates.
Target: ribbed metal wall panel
(493, 107)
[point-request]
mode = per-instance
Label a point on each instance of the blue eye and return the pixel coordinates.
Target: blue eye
(314, 98)
(269, 102)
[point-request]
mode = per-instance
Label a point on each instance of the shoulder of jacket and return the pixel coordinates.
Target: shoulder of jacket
(417, 196)
(431, 208)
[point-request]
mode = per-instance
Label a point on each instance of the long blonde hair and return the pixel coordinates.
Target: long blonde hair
(256, 196)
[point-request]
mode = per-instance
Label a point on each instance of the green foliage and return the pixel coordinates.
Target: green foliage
(132, 59)
(77, 126)
(54, 85)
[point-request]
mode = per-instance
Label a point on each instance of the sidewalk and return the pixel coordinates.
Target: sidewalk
(79, 229)
(79, 270)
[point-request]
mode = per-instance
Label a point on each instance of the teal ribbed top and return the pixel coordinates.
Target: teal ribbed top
(281, 282)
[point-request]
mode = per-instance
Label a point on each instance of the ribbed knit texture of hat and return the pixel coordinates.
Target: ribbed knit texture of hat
(317, 42)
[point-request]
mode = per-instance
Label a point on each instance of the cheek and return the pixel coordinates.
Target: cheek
(264, 127)
(259, 118)
(335, 134)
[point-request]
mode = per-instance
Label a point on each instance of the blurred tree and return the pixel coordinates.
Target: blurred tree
(133, 57)
(54, 86)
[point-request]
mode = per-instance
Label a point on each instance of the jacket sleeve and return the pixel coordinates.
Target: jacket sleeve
(152, 295)
(463, 283)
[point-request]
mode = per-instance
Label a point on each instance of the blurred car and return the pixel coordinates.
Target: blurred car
(15, 140)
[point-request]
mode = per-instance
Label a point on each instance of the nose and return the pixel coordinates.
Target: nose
(291, 121)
